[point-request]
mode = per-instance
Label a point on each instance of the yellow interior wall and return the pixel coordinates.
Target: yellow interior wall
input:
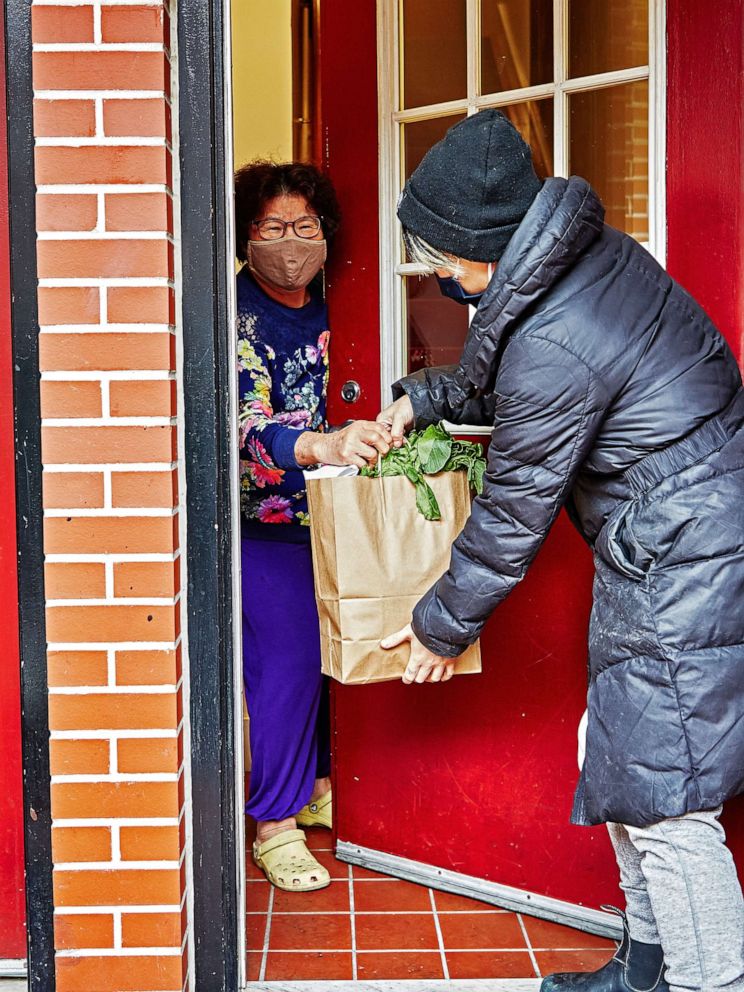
(262, 79)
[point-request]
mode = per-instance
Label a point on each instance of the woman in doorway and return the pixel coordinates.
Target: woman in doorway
(611, 393)
(284, 216)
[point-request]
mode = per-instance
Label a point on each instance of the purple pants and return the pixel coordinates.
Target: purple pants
(286, 694)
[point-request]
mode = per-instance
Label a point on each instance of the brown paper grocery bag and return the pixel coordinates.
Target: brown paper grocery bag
(374, 557)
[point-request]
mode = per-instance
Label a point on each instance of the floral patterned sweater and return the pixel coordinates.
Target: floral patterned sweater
(282, 383)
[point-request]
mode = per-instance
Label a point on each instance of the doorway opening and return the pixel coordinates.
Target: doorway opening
(451, 858)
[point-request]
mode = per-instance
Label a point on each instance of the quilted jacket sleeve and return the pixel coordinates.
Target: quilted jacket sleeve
(548, 406)
(435, 395)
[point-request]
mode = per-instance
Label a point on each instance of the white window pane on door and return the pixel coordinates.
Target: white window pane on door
(609, 148)
(437, 327)
(433, 52)
(516, 44)
(534, 121)
(606, 35)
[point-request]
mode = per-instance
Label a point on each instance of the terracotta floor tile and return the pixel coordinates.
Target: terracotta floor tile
(253, 965)
(252, 871)
(257, 897)
(364, 873)
(372, 897)
(398, 932)
(373, 965)
(311, 933)
(589, 960)
(542, 933)
(448, 902)
(312, 966)
(481, 931)
(255, 930)
(337, 868)
(333, 899)
(318, 839)
(493, 964)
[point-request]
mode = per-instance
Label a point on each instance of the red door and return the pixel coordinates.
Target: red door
(12, 913)
(476, 777)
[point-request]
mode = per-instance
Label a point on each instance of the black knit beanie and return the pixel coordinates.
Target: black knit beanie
(472, 189)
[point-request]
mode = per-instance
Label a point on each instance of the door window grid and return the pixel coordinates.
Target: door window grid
(393, 119)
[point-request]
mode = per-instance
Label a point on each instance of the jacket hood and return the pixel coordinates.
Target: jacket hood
(565, 218)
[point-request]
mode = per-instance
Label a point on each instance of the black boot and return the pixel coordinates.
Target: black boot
(636, 967)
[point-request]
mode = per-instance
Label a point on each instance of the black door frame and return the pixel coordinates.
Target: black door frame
(207, 368)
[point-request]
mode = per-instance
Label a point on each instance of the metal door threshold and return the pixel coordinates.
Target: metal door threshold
(504, 896)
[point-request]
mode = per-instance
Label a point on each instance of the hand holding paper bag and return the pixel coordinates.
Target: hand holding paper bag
(423, 665)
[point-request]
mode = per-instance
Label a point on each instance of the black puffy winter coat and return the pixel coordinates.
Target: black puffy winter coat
(610, 392)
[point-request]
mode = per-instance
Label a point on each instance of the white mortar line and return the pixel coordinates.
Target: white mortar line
(103, 189)
(440, 936)
(528, 942)
(114, 736)
(99, 46)
(267, 935)
(113, 375)
(134, 511)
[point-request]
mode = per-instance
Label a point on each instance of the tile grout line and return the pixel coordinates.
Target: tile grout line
(527, 941)
(352, 921)
(440, 936)
(267, 934)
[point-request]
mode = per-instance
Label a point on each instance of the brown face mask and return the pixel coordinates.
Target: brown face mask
(290, 263)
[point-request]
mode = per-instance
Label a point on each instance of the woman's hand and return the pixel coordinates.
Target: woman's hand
(360, 444)
(398, 418)
(423, 665)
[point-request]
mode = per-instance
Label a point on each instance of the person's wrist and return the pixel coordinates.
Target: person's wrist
(308, 448)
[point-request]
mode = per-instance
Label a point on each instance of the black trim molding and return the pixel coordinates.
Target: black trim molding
(207, 366)
(25, 343)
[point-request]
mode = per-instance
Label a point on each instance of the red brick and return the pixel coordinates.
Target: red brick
(81, 844)
(113, 711)
(61, 25)
(74, 580)
(146, 489)
(150, 398)
(140, 755)
(138, 212)
(86, 800)
(66, 212)
(107, 444)
(109, 535)
(79, 757)
(134, 24)
(140, 304)
(146, 668)
(136, 118)
(70, 668)
(64, 118)
(68, 305)
(74, 624)
(83, 930)
(108, 351)
(150, 843)
(151, 929)
(72, 490)
(116, 164)
(70, 399)
(103, 259)
(100, 71)
(142, 579)
(119, 974)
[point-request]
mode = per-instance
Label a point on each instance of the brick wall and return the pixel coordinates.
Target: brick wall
(106, 302)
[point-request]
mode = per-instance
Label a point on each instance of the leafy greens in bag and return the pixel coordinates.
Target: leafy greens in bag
(429, 452)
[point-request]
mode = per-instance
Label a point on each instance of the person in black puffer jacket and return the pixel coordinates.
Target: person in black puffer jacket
(610, 392)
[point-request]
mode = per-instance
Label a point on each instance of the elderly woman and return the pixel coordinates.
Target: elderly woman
(611, 393)
(284, 216)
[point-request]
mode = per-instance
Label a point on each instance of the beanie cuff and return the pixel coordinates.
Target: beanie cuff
(484, 245)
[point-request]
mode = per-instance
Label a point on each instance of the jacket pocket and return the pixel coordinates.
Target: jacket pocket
(617, 547)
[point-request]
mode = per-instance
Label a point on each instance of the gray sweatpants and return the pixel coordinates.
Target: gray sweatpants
(682, 892)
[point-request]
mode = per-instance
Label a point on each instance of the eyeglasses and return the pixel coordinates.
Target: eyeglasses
(272, 228)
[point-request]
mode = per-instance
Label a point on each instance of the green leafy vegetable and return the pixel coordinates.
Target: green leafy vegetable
(429, 452)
